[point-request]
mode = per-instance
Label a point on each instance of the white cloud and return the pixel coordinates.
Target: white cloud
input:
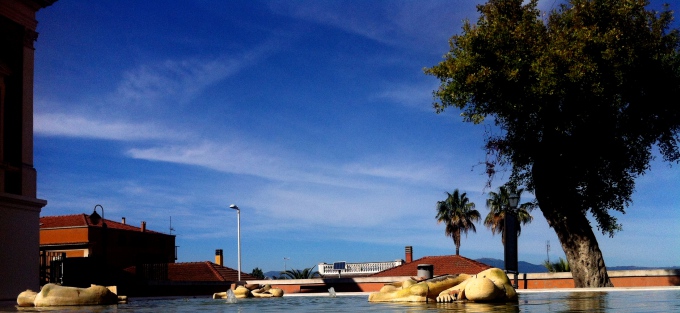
(65, 125)
(175, 80)
(396, 23)
(412, 96)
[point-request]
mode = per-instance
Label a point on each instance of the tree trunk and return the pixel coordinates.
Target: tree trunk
(580, 246)
(553, 191)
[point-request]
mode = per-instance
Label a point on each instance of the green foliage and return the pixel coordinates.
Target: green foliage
(580, 97)
(257, 272)
(458, 214)
(498, 204)
(299, 274)
(557, 267)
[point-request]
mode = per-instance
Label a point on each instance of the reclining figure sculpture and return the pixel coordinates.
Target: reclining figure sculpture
(491, 285)
(57, 295)
(249, 291)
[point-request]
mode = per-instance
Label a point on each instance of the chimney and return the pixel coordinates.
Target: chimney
(123, 221)
(143, 226)
(409, 254)
(218, 257)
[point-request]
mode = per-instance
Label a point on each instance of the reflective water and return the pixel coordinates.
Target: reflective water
(617, 301)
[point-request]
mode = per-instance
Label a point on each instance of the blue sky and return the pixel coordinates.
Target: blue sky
(314, 117)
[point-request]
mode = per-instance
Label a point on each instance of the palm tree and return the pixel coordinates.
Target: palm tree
(557, 267)
(459, 215)
(299, 274)
(498, 205)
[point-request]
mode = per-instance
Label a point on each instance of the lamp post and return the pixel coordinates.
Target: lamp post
(510, 228)
(238, 229)
(95, 218)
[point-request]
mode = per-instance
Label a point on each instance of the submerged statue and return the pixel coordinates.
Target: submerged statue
(491, 285)
(57, 295)
(249, 291)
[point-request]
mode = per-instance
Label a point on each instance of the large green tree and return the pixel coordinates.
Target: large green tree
(580, 96)
(458, 214)
(257, 272)
(498, 205)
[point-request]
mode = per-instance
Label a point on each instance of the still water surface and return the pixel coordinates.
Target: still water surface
(617, 301)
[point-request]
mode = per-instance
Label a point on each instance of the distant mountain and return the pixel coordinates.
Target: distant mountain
(272, 274)
(524, 267)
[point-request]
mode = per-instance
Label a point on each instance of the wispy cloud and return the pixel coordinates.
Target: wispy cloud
(417, 96)
(178, 80)
(142, 93)
(395, 23)
(280, 165)
(65, 125)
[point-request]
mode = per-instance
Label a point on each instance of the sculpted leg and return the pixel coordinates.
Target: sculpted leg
(413, 293)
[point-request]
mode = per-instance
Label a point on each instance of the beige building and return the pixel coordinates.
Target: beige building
(19, 207)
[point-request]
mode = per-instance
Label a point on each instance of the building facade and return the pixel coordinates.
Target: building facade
(108, 245)
(19, 207)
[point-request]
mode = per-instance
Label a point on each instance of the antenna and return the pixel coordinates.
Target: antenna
(171, 229)
(284, 263)
(547, 249)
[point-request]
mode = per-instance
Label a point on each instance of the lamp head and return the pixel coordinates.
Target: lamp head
(513, 200)
(233, 206)
(95, 217)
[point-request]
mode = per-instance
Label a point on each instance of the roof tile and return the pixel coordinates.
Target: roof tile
(201, 272)
(444, 264)
(83, 220)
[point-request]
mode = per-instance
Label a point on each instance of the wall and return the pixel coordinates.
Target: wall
(63, 235)
(643, 278)
(128, 248)
(19, 255)
(19, 207)
(637, 278)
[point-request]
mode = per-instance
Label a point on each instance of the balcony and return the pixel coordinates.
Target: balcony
(355, 269)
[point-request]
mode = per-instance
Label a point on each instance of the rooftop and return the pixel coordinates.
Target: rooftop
(84, 220)
(205, 271)
(444, 264)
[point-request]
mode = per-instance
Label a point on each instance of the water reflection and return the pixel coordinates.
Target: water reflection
(587, 301)
(479, 307)
(614, 301)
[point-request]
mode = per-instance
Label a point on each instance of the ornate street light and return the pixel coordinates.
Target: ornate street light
(238, 229)
(95, 218)
(510, 228)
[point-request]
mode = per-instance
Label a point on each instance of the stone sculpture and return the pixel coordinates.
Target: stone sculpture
(57, 295)
(491, 285)
(250, 291)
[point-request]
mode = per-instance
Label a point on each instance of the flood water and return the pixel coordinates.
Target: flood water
(616, 301)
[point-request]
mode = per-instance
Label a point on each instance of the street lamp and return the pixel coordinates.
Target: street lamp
(510, 228)
(238, 229)
(95, 218)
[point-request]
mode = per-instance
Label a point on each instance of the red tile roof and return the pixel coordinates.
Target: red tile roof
(444, 264)
(83, 220)
(201, 271)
